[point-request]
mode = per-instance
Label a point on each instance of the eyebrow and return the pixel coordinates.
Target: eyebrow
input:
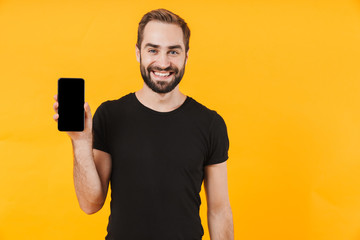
(158, 46)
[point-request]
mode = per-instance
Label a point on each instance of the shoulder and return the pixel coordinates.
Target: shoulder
(110, 106)
(124, 100)
(200, 110)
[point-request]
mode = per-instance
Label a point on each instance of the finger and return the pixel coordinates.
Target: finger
(56, 117)
(87, 110)
(56, 106)
(55, 97)
(88, 117)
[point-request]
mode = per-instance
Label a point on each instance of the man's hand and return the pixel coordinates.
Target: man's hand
(84, 135)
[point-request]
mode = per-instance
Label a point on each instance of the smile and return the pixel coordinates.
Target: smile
(162, 75)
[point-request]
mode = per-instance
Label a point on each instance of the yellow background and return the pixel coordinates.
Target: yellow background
(283, 74)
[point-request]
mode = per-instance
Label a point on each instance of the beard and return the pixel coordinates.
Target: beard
(159, 86)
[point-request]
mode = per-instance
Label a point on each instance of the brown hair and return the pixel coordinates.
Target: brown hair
(164, 16)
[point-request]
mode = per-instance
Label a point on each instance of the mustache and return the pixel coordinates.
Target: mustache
(168, 69)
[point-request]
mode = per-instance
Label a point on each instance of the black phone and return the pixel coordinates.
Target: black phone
(71, 99)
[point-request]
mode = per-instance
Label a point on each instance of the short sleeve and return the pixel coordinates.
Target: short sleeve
(100, 129)
(218, 141)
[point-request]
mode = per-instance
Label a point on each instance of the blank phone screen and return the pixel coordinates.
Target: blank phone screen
(71, 96)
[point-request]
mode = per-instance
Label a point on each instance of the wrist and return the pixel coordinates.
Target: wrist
(82, 142)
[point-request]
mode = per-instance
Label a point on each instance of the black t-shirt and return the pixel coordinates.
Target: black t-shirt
(158, 161)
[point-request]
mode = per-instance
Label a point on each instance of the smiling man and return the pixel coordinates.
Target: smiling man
(155, 146)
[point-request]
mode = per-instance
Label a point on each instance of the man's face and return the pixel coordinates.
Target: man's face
(162, 57)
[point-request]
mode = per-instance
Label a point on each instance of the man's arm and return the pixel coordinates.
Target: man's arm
(219, 214)
(92, 168)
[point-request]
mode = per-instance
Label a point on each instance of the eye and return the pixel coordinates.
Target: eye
(174, 52)
(152, 51)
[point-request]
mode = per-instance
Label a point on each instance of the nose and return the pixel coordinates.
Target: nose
(163, 61)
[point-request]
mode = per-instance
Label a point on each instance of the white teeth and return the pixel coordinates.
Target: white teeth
(162, 74)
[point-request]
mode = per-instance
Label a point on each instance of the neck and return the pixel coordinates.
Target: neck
(161, 102)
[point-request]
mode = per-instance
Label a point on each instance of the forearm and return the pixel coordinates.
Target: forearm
(220, 224)
(86, 178)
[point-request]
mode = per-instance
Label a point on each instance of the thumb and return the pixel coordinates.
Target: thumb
(88, 116)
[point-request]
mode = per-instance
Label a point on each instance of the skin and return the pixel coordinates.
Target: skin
(92, 167)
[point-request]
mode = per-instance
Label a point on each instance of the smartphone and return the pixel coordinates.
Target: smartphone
(71, 98)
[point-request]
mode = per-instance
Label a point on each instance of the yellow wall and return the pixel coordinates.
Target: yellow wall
(283, 74)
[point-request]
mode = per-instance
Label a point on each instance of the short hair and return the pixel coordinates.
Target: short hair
(164, 16)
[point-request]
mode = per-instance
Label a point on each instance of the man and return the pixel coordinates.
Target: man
(155, 146)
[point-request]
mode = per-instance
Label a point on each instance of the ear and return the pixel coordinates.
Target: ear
(187, 55)
(137, 52)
